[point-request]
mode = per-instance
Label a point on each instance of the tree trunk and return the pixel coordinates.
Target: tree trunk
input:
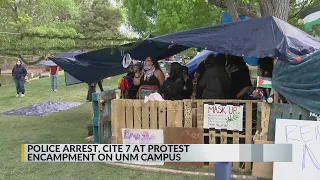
(232, 10)
(276, 8)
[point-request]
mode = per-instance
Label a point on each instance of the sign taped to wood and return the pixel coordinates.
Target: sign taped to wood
(143, 136)
(305, 139)
(219, 116)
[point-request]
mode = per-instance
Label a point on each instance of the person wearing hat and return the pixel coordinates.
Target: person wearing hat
(150, 77)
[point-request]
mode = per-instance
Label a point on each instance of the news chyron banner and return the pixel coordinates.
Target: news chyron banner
(156, 152)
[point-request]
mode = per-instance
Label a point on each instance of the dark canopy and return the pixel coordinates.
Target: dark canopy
(89, 72)
(137, 50)
(96, 65)
(259, 37)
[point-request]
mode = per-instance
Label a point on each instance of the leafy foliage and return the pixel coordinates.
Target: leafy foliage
(43, 26)
(160, 17)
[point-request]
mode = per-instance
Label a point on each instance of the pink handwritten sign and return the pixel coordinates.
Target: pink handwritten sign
(222, 116)
(143, 136)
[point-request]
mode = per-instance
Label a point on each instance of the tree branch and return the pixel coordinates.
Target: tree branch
(232, 10)
(218, 3)
(300, 9)
(240, 8)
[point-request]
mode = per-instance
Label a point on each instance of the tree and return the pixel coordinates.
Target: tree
(159, 17)
(144, 15)
(36, 16)
(100, 18)
(277, 8)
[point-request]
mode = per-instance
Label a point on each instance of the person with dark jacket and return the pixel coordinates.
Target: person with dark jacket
(133, 90)
(172, 88)
(198, 75)
(240, 77)
(19, 73)
(188, 85)
(215, 82)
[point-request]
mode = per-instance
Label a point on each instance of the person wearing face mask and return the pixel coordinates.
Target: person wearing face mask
(19, 73)
(150, 77)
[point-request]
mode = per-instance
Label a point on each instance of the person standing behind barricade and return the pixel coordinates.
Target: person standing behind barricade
(133, 90)
(197, 77)
(215, 83)
(150, 78)
(188, 85)
(172, 88)
(54, 78)
(240, 77)
(265, 70)
(19, 74)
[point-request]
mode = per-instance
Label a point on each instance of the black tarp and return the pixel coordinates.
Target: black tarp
(96, 65)
(259, 37)
(69, 79)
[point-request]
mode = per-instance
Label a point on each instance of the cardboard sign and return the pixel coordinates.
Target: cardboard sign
(305, 139)
(143, 136)
(263, 82)
(222, 116)
(179, 135)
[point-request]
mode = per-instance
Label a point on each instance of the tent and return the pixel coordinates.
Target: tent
(257, 38)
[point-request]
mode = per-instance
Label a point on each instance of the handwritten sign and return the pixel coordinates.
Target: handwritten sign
(143, 136)
(305, 139)
(222, 117)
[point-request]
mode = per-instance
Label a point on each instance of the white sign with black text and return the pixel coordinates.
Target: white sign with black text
(219, 116)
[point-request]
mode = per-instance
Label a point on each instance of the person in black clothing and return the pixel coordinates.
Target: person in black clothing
(188, 85)
(265, 70)
(150, 78)
(215, 82)
(151, 74)
(172, 88)
(132, 91)
(240, 77)
(198, 74)
(19, 73)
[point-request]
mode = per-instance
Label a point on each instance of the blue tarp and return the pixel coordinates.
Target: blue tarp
(193, 63)
(96, 65)
(257, 38)
(226, 18)
(299, 81)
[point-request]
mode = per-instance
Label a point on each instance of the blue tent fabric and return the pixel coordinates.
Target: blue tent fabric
(299, 81)
(91, 71)
(140, 51)
(257, 38)
(193, 63)
(96, 65)
(226, 18)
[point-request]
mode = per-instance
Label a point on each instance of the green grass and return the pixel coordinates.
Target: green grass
(69, 127)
